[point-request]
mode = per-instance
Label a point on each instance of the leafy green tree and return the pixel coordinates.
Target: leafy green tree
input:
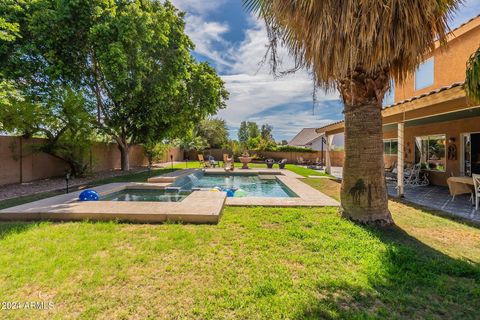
(247, 131)
(266, 132)
(253, 130)
(243, 133)
(8, 32)
(155, 151)
(215, 132)
(61, 117)
(260, 144)
(132, 57)
(191, 142)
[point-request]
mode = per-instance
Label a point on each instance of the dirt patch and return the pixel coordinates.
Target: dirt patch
(53, 184)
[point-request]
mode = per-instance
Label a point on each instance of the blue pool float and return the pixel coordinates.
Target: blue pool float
(89, 195)
(230, 192)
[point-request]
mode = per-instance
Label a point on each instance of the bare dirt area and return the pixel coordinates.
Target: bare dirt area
(52, 184)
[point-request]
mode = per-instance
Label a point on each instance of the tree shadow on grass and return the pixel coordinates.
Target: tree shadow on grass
(10, 228)
(413, 281)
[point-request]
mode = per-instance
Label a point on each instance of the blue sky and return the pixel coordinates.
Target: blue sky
(234, 43)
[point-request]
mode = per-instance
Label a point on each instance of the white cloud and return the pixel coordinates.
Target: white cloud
(252, 87)
(207, 36)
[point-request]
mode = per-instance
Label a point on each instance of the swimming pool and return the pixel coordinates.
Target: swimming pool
(245, 185)
(238, 185)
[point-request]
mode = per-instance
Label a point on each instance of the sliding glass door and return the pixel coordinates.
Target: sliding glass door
(471, 154)
(475, 152)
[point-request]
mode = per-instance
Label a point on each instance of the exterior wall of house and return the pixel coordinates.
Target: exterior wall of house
(452, 129)
(449, 63)
(317, 145)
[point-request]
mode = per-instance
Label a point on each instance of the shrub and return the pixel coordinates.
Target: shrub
(292, 149)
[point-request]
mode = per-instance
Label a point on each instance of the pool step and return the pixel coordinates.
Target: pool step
(172, 176)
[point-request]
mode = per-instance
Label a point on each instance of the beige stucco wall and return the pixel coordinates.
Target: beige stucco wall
(449, 65)
(19, 162)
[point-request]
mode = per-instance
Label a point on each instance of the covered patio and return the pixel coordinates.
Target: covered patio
(438, 198)
(437, 136)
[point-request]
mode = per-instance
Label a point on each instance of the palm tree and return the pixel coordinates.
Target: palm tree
(472, 78)
(357, 47)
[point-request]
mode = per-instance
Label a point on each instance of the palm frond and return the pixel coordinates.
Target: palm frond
(332, 36)
(472, 77)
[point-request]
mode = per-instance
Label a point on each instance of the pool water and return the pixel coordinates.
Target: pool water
(253, 185)
(146, 195)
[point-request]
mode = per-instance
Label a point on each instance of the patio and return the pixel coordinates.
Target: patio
(439, 198)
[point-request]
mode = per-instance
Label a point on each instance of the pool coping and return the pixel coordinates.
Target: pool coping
(198, 207)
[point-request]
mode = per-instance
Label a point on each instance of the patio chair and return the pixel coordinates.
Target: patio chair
(228, 163)
(414, 178)
(212, 161)
(270, 162)
(282, 163)
(203, 163)
(392, 166)
(301, 161)
(476, 185)
(316, 165)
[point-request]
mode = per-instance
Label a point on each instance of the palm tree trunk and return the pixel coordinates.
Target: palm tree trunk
(364, 195)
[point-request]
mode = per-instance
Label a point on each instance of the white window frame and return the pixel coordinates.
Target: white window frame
(428, 138)
(390, 141)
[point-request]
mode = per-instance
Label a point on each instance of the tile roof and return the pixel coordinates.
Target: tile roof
(304, 137)
(453, 85)
(466, 22)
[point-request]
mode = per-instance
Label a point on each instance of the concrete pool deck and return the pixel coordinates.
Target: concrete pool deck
(197, 207)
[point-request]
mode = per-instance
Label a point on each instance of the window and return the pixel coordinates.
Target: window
(390, 147)
(430, 152)
(424, 74)
(389, 97)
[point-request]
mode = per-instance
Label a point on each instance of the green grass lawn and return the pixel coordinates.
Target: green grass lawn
(257, 263)
(303, 171)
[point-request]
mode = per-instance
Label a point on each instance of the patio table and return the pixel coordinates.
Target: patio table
(460, 185)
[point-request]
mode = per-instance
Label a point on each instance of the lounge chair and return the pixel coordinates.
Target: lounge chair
(282, 163)
(270, 162)
(203, 163)
(228, 163)
(201, 159)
